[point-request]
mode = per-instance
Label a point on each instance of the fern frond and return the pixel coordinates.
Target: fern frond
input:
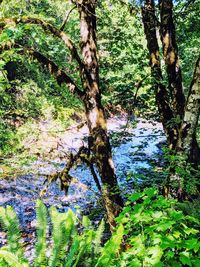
(86, 223)
(63, 228)
(98, 238)
(82, 248)
(10, 223)
(12, 259)
(41, 230)
(74, 250)
(86, 249)
(111, 248)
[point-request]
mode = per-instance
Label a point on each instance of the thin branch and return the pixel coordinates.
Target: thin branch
(185, 10)
(187, 5)
(129, 5)
(53, 69)
(66, 18)
(139, 85)
(196, 78)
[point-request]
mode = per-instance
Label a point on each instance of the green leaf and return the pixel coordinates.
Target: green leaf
(41, 229)
(11, 259)
(156, 254)
(151, 192)
(135, 196)
(163, 226)
(185, 258)
(170, 254)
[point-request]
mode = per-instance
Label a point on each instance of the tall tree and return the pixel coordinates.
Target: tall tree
(171, 57)
(161, 93)
(187, 140)
(99, 149)
(180, 112)
(99, 140)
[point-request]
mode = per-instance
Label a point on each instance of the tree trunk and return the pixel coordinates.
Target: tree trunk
(170, 52)
(179, 119)
(162, 97)
(99, 140)
(186, 113)
(187, 142)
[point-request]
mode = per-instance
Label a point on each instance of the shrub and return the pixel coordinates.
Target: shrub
(150, 232)
(157, 233)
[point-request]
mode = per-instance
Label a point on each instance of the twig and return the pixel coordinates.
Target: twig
(66, 18)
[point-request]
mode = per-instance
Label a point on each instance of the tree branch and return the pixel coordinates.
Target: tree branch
(187, 5)
(53, 69)
(64, 176)
(66, 18)
(191, 118)
(128, 4)
(49, 28)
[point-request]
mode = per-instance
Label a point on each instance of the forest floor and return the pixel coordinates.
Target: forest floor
(136, 154)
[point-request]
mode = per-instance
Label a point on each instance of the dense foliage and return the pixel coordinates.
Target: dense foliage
(151, 231)
(123, 63)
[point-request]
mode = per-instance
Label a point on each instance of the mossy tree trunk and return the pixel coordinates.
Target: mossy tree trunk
(170, 53)
(96, 121)
(179, 117)
(187, 140)
(161, 93)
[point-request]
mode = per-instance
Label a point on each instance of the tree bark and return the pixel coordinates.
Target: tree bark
(186, 113)
(181, 118)
(96, 121)
(60, 76)
(187, 142)
(170, 52)
(162, 97)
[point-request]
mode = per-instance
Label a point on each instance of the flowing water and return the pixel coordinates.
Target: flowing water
(134, 150)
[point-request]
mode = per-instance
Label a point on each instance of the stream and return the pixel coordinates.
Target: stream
(134, 149)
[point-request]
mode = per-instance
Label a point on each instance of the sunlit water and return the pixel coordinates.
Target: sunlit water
(133, 149)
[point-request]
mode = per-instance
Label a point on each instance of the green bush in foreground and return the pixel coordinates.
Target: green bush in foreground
(150, 232)
(158, 234)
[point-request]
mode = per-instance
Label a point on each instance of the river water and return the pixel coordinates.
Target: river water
(134, 149)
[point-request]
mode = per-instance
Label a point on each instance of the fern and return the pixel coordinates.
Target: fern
(10, 223)
(74, 249)
(69, 248)
(41, 229)
(85, 250)
(63, 227)
(11, 259)
(111, 249)
(98, 238)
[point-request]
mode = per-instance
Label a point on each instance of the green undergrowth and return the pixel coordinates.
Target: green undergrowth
(151, 231)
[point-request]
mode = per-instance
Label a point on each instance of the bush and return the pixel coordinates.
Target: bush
(150, 232)
(157, 233)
